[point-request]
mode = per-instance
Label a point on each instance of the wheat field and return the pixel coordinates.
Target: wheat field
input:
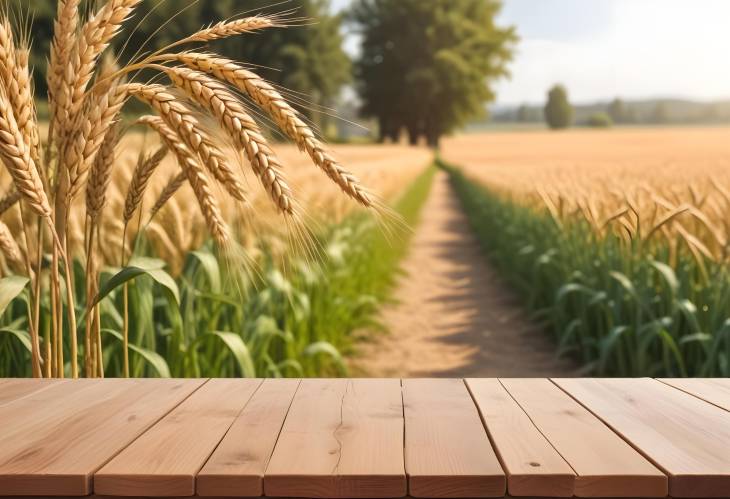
(641, 182)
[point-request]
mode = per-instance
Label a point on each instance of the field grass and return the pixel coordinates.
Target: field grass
(617, 240)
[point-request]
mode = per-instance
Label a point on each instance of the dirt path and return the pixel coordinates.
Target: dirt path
(454, 317)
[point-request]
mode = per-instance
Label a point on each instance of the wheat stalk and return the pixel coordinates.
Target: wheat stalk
(196, 178)
(240, 126)
(140, 179)
(285, 116)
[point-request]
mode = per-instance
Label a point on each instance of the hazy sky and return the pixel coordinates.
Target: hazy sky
(603, 48)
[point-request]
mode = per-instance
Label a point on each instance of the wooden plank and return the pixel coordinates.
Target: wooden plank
(165, 460)
(447, 450)
(236, 468)
(12, 389)
(683, 435)
(532, 465)
(53, 440)
(713, 390)
(605, 464)
(341, 438)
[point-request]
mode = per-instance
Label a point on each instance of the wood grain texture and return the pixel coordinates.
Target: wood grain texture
(236, 468)
(447, 450)
(532, 465)
(12, 389)
(715, 391)
(54, 439)
(605, 464)
(341, 438)
(165, 460)
(686, 437)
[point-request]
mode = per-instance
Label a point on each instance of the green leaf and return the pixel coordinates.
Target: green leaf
(154, 359)
(22, 336)
(209, 263)
(328, 349)
(152, 267)
(240, 352)
(668, 274)
(10, 288)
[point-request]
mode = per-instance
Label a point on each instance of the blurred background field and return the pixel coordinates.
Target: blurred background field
(552, 195)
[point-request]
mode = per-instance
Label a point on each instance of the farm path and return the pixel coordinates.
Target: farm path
(453, 316)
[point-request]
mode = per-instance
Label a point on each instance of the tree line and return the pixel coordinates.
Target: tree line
(424, 67)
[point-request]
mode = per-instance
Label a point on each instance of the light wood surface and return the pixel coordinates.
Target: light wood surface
(686, 437)
(447, 450)
(236, 468)
(532, 465)
(605, 464)
(341, 438)
(165, 460)
(715, 391)
(53, 440)
(314, 438)
(12, 389)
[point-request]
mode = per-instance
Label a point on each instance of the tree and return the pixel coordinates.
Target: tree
(306, 57)
(661, 113)
(558, 111)
(617, 111)
(599, 120)
(523, 114)
(428, 66)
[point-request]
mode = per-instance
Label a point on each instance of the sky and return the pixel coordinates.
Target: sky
(600, 49)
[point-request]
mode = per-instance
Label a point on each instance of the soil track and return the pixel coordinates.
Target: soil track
(454, 317)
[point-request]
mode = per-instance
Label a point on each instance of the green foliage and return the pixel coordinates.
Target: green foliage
(618, 111)
(558, 111)
(600, 120)
(618, 307)
(427, 67)
(311, 53)
(292, 318)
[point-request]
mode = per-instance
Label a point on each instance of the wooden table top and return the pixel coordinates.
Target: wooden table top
(365, 438)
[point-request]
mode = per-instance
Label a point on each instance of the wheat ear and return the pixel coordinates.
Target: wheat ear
(101, 174)
(95, 36)
(9, 200)
(25, 114)
(64, 36)
(16, 156)
(285, 116)
(10, 249)
(224, 29)
(180, 118)
(195, 176)
(102, 108)
(172, 186)
(240, 126)
(140, 180)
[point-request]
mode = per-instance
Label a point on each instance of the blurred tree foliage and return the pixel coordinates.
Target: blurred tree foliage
(306, 58)
(427, 66)
(558, 111)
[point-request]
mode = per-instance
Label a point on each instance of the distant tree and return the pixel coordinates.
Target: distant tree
(599, 120)
(429, 66)
(523, 114)
(661, 113)
(617, 111)
(558, 111)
